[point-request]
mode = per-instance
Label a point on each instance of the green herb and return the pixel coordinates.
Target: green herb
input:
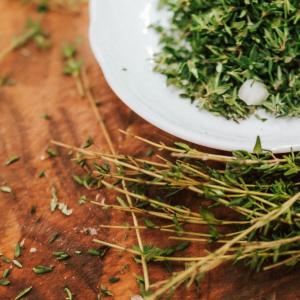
(4, 282)
(5, 81)
(18, 250)
(61, 255)
(52, 152)
(42, 269)
(151, 252)
(54, 237)
(258, 148)
(43, 6)
(64, 209)
(68, 293)
(42, 174)
(149, 223)
(149, 152)
(17, 263)
(6, 259)
(46, 117)
(33, 32)
(113, 279)
(73, 66)
(98, 252)
(105, 292)
(6, 273)
(89, 142)
(69, 51)
(5, 189)
(211, 48)
(82, 200)
(12, 160)
(33, 210)
(23, 293)
(248, 206)
(54, 204)
(54, 199)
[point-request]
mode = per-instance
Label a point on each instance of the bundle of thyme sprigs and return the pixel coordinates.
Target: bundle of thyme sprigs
(260, 189)
(212, 47)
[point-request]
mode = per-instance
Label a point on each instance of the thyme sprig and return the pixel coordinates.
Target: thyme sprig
(210, 48)
(261, 190)
(33, 32)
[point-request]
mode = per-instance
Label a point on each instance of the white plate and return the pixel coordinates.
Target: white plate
(120, 38)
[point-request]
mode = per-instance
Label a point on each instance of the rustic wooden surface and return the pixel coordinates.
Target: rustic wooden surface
(41, 88)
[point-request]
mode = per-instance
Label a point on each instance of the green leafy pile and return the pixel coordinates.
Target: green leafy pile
(212, 47)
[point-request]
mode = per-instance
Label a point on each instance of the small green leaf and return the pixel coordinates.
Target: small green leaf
(42, 269)
(149, 223)
(4, 282)
(23, 293)
(52, 152)
(6, 273)
(105, 292)
(68, 293)
(258, 147)
(12, 160)
(17, 263)
(5, 189)
(61, 255)
(18, 250)
(183, 146)
(113, 279)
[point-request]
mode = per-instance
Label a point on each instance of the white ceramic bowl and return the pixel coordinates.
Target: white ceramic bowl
(124, 45)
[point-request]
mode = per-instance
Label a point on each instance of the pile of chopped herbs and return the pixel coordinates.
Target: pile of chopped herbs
(210, 48)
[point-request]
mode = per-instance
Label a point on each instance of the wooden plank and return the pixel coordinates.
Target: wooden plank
(42, 89)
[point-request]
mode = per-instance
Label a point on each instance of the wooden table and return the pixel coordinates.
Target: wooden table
(41, 89)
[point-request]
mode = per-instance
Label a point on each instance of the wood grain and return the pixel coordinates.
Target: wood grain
(41, 88)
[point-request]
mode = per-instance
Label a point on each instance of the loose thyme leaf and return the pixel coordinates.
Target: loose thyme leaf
(12, 160)
(18, 250)
(4, 282)
(54, 200)
(105, 292)
(54, 204)
(23, 293)
(17, 263)
(52, 152)
(42, 269)
(98, 252)
(257, 148)
(42, 174)
(113, 279)
(149, 223)
(68, 293)
(82, 200)
(89, 142)
(5, 189)
(61, 255)
(6, 273)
